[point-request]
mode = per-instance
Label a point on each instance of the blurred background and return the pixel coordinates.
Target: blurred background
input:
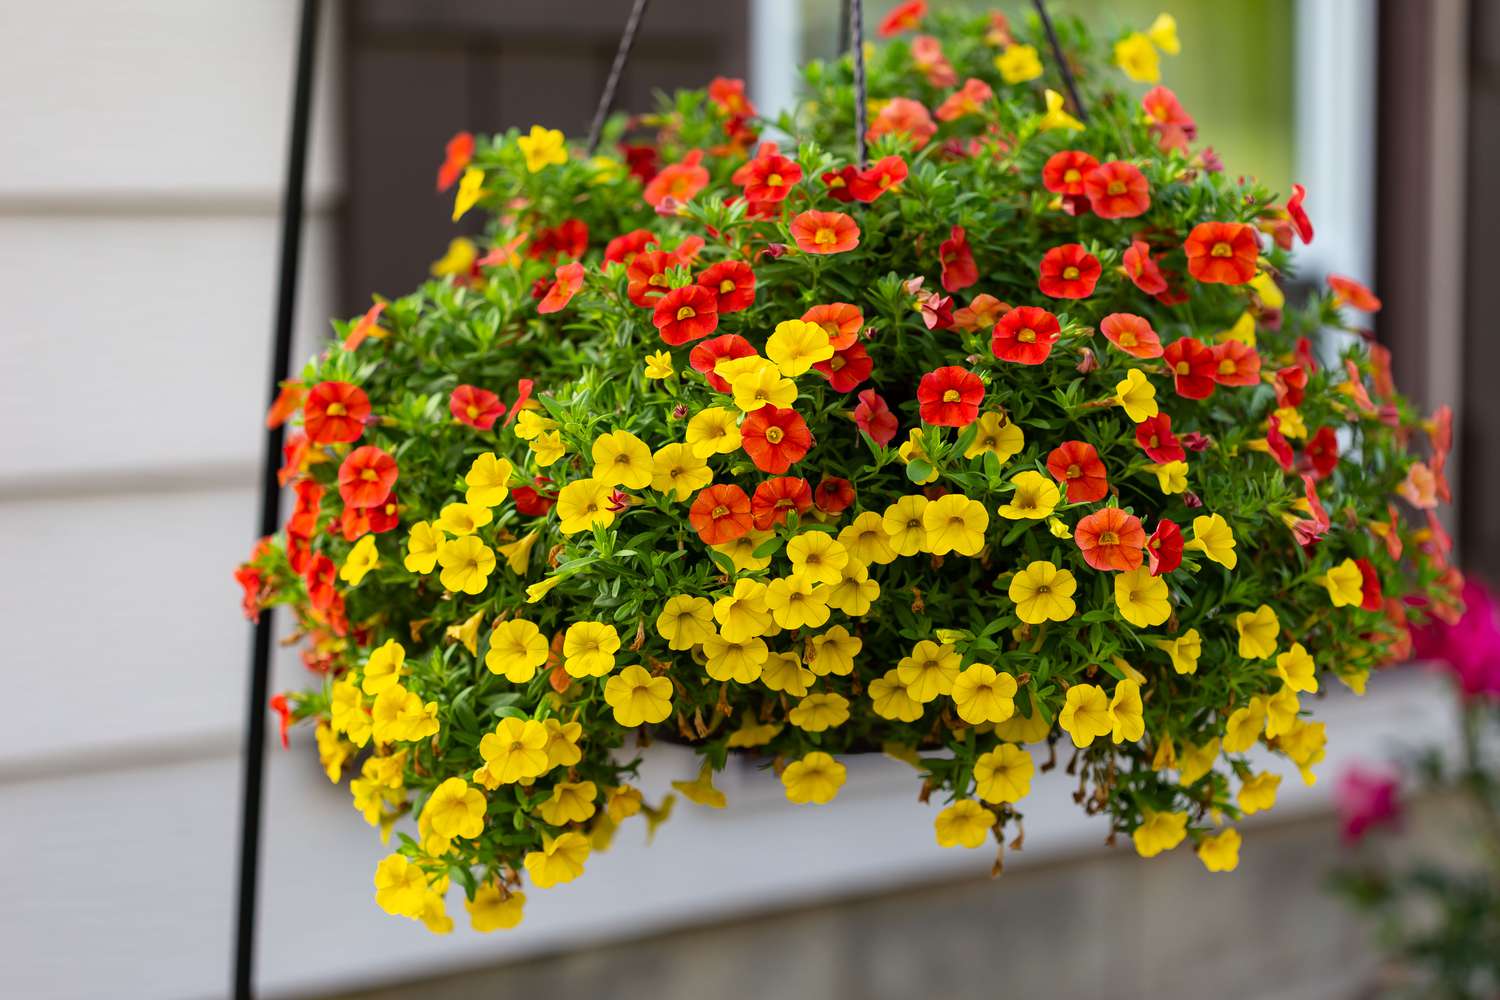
(143, 151)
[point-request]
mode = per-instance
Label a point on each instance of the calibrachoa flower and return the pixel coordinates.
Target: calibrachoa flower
(1076, 465)
(1025, 335)
(1223, 252)
(1117, 190)
(1064, 173)
(825, 232)
(1111, 539)
(366, 477)
(335, 412)
(686, 313)
(479, 408)
(1068, 272)
(950, 397)
(775, 439)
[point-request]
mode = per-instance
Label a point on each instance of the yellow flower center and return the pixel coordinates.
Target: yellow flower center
(1226, 367)
(686, 312)
(1182, 368)
(1027, 336)
(1108, 538)
(1127, 339)
(719, 511)
(825, 237)
(369, 475)
(774, 435)
(836, 363)
(472, 411)
(1116, 187)
(660, 280)
(336, 410)
(1070, 273)
(726, 286)
(773, 181)
(1074, 472)
(1072, 176)
(951, 396)
(1222, 249)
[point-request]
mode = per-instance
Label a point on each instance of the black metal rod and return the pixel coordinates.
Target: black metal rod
(861, 96)
(270, 502)
(1069, 83)
(616, 70)
(843, 27)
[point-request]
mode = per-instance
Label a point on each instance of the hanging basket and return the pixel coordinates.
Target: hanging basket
(1004, 443)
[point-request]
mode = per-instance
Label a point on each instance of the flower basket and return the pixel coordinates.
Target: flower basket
(1005, 444)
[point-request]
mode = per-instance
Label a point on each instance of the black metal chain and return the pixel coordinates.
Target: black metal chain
(616, 70)
(1069, 83)
(861, 97)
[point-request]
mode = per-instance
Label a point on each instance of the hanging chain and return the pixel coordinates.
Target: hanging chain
(861, 98)
(616, 70)
(1069, 83)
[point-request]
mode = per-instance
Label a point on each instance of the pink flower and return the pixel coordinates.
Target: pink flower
(1366, 798)
(1470, 649)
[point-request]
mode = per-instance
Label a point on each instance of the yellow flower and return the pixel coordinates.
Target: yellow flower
(571, 802)
(560, 860)
(679, 471)
(701, 789)
(685, 621)
(347, 712)
(457, 259)
(455, 810)
(1003, 774)
(548, 447)
(1259, 793)
(1305, 743)
(866, 540)
(517, 649)
(400, 886)
(638, 698)
(384, 668)
(1085, 714)
(333, 751)
(833, 652)
(1018, 63)
(1160, 831)
(1020, 728)
(622, 459)
(1043, 592)
(713, 431)
(422, 541)
(467, 632)
(1036, 496)
(761, 385)
(536, 591)
(1296, 667)
(983, 694)
(819, 712)
(470, 190)
(1127, 723)
(1136, 56)
(460, 519)
(530, 425)
(994, 433)
(467, 564)
(1244, 726)
(363, 558)
(1137, 395)
(1258, 630)
(891, 699)
(929, 671)
(399, 714)
(1292, 424)
(905, 525)
(1281, 712)
(583, 504)
(518, 553)
(1163, 34)
(795, 602)
(1142, 598)
(1196, 761)
(495, 909)
(741, 661)
(752, 733)
(1056, 117)
(855, 592)
(1345, 584)
(1221, 852)
(488, 480)
(954, 523)
(1171, 477)
(1243, 329)
(562, 743)
(543, 147)
(1059, 528)
(589, 649)
(796, 346)
(965, 823)
(659, 365)
(1213, 536)
(815, 778)
(1184, 651)
(785, 672)
(819, 556)
(1264, 286)
(741, 551)
(516, 750)
(743, 614)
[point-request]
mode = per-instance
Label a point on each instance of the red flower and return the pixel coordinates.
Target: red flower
(1347, 291)
(1277, 445)
(1064, 172)
(873, 417)
(729, 94)
(358, 521)
(847, 368)
(1131, 334)
(965, 101)
(569, 280)
(479, 408)
(335, 413)
(1222, 252)
(685, 314)
(770, 178)
(905, 117)
(679, 181)
(950, 397)
(646, 276)
(1173, 126)
(885, 174)
(840, 320)
(287, 402)
(834, 495)
(1164, 548)
(1025, 335)
(927, 54)
(319, 577)
(708, 354)
(303, 521)
(569, 239)
(530, 501)
(283, 710)
(904, 17)
(523, 396)
(959, 270)
(1370, 589)
(642, 161)
(367, 326)
(775, 439)
(1142, 270)
(1117, 190)
(624, 248)
(1068, 272)
(1298, 214)
(825, 232)
(366, 476)
(936, 310)
(1111, 539)
(1154, 435)
(720, 513)
(1193, 367)
(1322, 452)
(1236, 363)
(775, 498)
(733, 281)
(1077, 464)
(457, 154)
(840, 182)
(1290, 384)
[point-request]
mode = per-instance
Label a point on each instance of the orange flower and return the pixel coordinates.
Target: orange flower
(775, 438)
(365, 327)
(729, 94)
(1117, 190)
(980, 314)
(1144, 272)
(569, 280)
(965, 101)
(825, 232)
(458, 153)
(366, 477)
(904, 117)
(1025, 335)
(1193, 367)
(834, 495)
(1174, 127)
(721, 513)
(1236, 363)
(1347, 291)
(686, 313)
(950, 397)
(1064, 172)
(904, 17)
(479, 408)
(1077, 464)
(1068, 272)
(1111, 539)
(646, 276)
(733, 282)
(885, 174)
(775, 498)
(1131, 334)
(769, 177)
(335, 413)
(680, 181)
(1222, 252)
(959, 270)
(840, 320)
(288, 401)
